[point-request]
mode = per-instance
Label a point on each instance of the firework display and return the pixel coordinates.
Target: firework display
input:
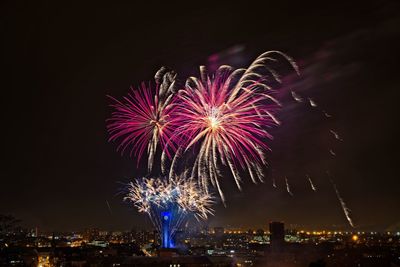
(228, 116)
(167, 202)
(140, 122)
(223, 118)
(215, 122)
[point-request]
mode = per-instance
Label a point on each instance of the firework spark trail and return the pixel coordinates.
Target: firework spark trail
(345, 209)
(336, 135)
(273, 182)
(141, 120)
(225, 116)
(313, 187)
(109, 208)
(296, 97)
(288, 187)
(312, 102)
(326, 114)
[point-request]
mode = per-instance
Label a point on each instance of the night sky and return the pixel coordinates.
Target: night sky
(61, 60)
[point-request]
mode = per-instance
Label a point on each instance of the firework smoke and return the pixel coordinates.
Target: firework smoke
(312, 103)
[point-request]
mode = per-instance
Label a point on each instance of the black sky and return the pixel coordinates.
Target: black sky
(61, 60)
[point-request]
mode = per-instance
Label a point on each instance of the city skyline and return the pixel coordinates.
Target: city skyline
(217, 246)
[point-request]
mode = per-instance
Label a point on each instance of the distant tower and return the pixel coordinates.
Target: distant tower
(166, 241)
(277, 234)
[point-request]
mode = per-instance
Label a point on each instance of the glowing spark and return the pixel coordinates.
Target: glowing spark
(288, 187)
(273, 182)
(332, 152)
(312, 103)
(141, 120)
(311, 183)
(108, 205)
(336, 135)
(178, 197)
(213, 123)
(326, 114)
(296, 97)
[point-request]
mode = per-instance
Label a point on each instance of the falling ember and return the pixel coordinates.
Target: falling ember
(312, 103)
(327, 114)
(311, 183)
(345, 209)
(109, 208)
(273, 182)
(296, 97)
(336, 135)
(288, 187)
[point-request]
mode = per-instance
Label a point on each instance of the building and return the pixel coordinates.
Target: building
(219, 231)
(277, 234)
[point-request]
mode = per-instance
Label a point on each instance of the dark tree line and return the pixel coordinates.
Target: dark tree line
(9, 224)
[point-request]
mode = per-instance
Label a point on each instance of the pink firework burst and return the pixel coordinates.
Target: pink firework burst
(141, 121)
(228, 115)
